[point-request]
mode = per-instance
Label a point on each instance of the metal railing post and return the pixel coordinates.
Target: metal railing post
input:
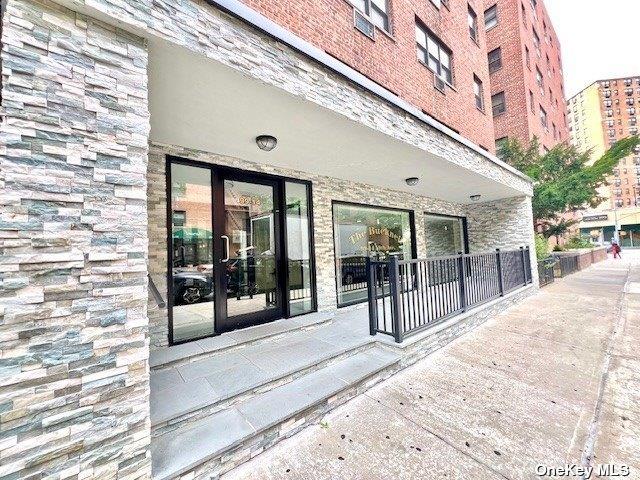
(500, 272)
(462, 272)
(373, 298)
(394, 295)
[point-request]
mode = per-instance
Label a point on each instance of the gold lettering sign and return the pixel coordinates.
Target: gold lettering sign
(249, 200)
(377, 233)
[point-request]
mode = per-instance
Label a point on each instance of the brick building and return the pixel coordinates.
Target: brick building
(599, 115)
(388, 57)
(193, 196)
(525, 63)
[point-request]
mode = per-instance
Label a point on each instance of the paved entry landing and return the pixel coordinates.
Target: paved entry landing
(554, 380)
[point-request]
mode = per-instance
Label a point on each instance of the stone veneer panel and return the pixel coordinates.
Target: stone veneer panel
(491, 225)
(202, 28)
(74, 394)
(505, 224)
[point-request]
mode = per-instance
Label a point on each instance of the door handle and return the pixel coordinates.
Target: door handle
(226, 243)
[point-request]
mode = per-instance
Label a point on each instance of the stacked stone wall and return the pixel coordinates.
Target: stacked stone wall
(74, 343)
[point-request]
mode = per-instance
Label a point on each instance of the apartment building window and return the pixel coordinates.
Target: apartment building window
(491, 17)
(619, 203)
(630, 101)
(532, 102)
(439, 3)
(609, 113)
(472, 20)
(495, 60)
(498, 104)
(555, 131)
(376, 10)
(627, 82)
(607, 93)
(433, 53)
(607, 103)
(524, 14)
(479, 93)
(543, 118)
(540, 80)
(536, 41)
(527, 57)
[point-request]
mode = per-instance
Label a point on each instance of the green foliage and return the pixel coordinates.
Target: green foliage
(542, 247)
(577, 242)
(558, 248)
(564, 178)
(557, 229)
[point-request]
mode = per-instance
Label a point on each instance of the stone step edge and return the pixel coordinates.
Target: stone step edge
(363, 381)
(197, 413)
(326, 320)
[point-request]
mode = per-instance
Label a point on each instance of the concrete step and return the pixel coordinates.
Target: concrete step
(190, 351)
(199, 388)
(208, 439)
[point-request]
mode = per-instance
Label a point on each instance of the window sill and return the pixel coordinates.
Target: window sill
(481, 110)
(435, 74)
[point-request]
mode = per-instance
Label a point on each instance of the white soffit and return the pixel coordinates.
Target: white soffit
(201, 104)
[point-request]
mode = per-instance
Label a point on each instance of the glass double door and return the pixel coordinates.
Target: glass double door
(230, 268)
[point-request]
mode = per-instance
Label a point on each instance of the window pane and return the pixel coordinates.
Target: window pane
(444, 58)
(362, 231)
(444, 236)
(381, 4)
(298, 248)
(379, 18)
(192, 247)
(421, 38)
(360, 5)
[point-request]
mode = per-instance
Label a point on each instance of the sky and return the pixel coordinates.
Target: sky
(599, 39)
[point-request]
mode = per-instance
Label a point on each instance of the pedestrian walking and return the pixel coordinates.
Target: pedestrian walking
(615, 249)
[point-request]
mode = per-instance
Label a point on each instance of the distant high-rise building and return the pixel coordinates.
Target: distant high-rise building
(600, 115)
(525, 65)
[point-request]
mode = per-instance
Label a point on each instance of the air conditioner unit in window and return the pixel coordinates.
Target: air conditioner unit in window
(439, 83)
(363, 24)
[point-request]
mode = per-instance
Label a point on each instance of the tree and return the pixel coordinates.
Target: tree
(564, 178)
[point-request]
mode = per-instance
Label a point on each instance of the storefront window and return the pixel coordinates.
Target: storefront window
(444, 235)
(362, 231)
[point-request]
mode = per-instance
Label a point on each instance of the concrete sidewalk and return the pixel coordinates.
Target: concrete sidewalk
(552, 381)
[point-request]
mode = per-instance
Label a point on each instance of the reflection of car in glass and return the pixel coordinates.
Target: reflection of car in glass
(191, 287)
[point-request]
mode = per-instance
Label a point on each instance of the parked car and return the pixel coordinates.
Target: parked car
(191, 287)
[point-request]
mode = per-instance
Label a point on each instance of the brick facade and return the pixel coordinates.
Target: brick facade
(514, 34)
(390, 59)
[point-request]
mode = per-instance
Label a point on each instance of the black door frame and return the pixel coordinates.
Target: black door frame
(218, 174)
(223, 322)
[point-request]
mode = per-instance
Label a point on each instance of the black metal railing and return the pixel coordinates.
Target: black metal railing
(545, 271)
(566, 265)
(407, 296)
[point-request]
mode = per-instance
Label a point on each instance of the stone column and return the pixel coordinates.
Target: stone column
(74, 382)
(505, 224)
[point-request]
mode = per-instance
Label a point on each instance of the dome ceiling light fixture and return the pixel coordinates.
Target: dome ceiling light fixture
(412, 181)
(475, 198)
(266, 142)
